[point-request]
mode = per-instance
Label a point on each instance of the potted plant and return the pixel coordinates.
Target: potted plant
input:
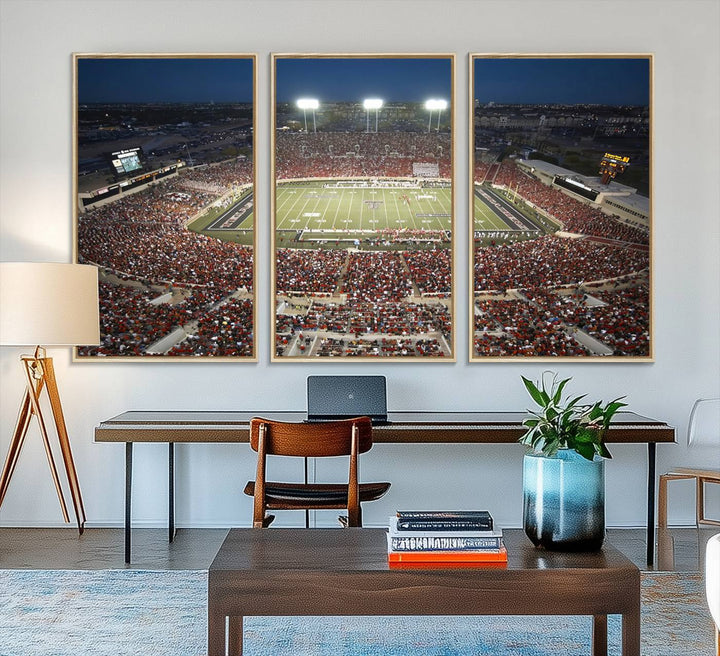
(564, 467)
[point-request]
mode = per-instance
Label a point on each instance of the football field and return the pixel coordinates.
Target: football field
(341, 211)
(492, 212)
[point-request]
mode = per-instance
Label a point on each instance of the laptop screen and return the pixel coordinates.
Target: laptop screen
(340, 397)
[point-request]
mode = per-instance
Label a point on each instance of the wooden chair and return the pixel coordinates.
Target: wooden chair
(703, 428)
(349, 437)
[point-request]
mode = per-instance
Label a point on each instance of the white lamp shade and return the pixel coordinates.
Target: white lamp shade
(48, 304)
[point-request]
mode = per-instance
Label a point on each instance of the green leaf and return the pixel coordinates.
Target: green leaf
(587, 451)
(534, 392)
(558, 393)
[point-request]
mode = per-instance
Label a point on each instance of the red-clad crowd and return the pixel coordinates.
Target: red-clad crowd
(224, 331)
(545, 322)
(521, 329)
(376, 276)
(359, 154)
(308, 271)
(621, 322)
(431, 271)
(141, 238)
(551, 261)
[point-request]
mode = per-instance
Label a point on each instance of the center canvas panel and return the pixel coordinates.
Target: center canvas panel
(363, 207)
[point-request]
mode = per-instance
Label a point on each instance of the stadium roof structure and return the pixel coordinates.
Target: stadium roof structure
(612, 196)
(551, 170)
(640, 204)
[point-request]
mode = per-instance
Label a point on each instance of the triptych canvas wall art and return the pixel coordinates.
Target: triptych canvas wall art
(363, 201)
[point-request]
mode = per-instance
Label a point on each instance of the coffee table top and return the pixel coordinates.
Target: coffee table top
(365, 550)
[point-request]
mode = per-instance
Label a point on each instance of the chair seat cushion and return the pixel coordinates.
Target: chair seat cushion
(315, 495)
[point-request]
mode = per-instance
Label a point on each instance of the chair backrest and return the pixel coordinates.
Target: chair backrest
(312, 439)
(704, 423)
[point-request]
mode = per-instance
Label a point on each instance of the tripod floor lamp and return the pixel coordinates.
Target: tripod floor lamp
(46, 304)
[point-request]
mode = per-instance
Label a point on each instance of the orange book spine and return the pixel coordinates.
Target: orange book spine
(487, 556)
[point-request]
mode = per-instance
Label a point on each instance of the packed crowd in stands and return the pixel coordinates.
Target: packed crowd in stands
(303, 271)
(359, 154)
(225, 331)
(383, 347)
(129, 323)
(551, 261)
(431, 271)
(218, 178)
(376, 276)
(398, 319)
(142, 238)
(575, 216)
(621, 322)
(354, 347)
(526, 330)
(544, 322)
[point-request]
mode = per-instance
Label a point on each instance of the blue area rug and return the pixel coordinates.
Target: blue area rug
(131, 612)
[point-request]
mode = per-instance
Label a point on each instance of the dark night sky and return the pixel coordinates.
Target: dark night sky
(129, 80)
(567, 81)
(354, 79)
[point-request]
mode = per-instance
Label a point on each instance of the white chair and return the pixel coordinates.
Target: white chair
(712, 584)
(703, 430)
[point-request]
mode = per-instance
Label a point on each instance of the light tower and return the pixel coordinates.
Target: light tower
(372, 103)
(432, 105)
(305, 104)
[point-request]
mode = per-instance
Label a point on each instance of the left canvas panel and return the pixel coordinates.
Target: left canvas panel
(164, 196)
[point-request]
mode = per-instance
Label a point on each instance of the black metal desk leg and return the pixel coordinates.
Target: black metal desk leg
(171, 491)
(128, 497)
(651, 505)
(307, 512)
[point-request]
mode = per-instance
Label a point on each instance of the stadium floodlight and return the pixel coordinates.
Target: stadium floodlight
(309, 103)
(372, 103)
(433, 104)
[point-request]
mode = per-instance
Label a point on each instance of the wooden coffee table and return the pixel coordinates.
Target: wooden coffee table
(294, 572)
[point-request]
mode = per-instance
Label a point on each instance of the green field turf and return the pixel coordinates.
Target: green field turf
(313, 207)
(242, 234)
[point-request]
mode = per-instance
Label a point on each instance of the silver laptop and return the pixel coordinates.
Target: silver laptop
(342, 397)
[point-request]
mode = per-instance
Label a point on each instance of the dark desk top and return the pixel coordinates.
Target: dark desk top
(213, 426)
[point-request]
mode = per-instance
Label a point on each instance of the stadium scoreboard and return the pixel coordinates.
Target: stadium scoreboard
(577, 187)
(126, 161)
(611, 165)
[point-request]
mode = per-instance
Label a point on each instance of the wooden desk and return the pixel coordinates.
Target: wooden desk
(206, 426)
(278, 572)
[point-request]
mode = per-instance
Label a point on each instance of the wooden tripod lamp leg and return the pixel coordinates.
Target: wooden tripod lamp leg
(16, 443)
(39, 374)
(34, 373)
(64, 440)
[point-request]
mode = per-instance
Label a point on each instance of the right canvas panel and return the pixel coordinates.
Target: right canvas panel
(561, 191)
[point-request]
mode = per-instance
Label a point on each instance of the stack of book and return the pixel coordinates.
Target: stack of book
(445, 538)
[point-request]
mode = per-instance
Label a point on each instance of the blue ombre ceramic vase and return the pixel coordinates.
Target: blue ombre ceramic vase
(564, 501)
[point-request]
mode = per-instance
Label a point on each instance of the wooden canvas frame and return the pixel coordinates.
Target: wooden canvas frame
(536, 290)
(164, 170)
(357, 299)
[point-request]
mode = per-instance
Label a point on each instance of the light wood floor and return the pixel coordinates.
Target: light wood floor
(680, 549)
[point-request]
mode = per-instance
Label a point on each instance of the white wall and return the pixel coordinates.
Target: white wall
(37, 38)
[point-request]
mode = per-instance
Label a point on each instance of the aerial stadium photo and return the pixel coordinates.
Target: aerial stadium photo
(561, 206)
(363, 207)
(164, 203)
